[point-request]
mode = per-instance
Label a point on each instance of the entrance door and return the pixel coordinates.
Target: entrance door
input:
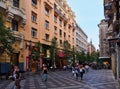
(15, 59)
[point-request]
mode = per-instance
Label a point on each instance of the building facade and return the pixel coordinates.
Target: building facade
(47, 19)
(112, 16)
(81, 40)
(35, 21)
(103, 43)
(13, 14)
(90, 48)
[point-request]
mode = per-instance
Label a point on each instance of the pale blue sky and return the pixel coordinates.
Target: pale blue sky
(88, 13)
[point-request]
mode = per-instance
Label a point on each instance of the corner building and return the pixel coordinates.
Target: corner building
(46, 19)
(13, 14)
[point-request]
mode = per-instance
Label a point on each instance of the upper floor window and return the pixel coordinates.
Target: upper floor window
(34, 33)
(60, 22)
(46, 11)
(64, 34)
(47, 37)
(73, 40)
(64, 25)
(55, 18)
(34, 2)
(69, 37)
(60, 32)
(60, 42)
(69, 27)
(34, 17)
(46, 24)
(14, 25)
(16, 3)
(55, 6)
(55, 29)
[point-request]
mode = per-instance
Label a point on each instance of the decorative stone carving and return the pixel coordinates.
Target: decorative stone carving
(10, 16)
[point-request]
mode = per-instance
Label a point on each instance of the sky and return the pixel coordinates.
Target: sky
(88, 14)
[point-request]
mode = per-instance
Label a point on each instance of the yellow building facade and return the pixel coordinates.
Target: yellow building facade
(14, 17)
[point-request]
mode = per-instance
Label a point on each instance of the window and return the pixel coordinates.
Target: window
(64, 25)
(14, 25)
(34, 17)
(46, 24)
(34, 2)
(55, 6)
(34, 33)
(16, 3)
(60, 22)
(69, 28)
(55, 18)
(60, 32)
(60, 42)
(73, 40)
(55, 29)
(46, 11)
(64, 35)
(47, 37)
(69, 37)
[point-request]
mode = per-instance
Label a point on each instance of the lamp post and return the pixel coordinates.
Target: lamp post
(30, 56)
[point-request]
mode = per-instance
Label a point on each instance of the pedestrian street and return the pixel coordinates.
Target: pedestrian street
(94, 79)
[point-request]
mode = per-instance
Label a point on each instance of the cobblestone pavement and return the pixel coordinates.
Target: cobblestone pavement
(94, 79)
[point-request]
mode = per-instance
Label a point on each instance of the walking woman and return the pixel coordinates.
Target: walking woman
(82, 71)
(45, 71)
(17, 76)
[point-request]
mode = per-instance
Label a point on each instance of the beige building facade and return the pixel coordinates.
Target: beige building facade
(46, 19)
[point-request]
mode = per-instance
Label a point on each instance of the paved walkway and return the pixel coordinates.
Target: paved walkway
(94, 79)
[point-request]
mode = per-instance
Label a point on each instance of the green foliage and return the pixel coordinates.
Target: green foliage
(36, 51)
(54, 45)
(7, 39)
(66, 48)
(54, 50)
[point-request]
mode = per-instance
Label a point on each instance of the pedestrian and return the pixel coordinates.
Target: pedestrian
(76, 71)
(87, 68)
(45, 71)
(16, 76)
(81, 71)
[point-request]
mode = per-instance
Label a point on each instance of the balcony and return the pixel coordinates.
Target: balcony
(108, 6)
(17, 11)
(3, 4)
(60, 14)
(57, 10)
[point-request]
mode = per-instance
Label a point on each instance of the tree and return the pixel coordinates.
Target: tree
(7, 39)
(36, 51)
(53, 51)
(66, 48)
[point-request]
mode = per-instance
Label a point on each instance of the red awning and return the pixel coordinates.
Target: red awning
(61, 54)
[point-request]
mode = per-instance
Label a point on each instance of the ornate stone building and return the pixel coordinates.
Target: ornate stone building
(13, 14)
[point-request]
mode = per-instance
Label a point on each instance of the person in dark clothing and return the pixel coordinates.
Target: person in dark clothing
(81, 71)
(45, 71)
(17, 76)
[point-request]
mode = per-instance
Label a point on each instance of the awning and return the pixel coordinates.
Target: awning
(61, 54)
